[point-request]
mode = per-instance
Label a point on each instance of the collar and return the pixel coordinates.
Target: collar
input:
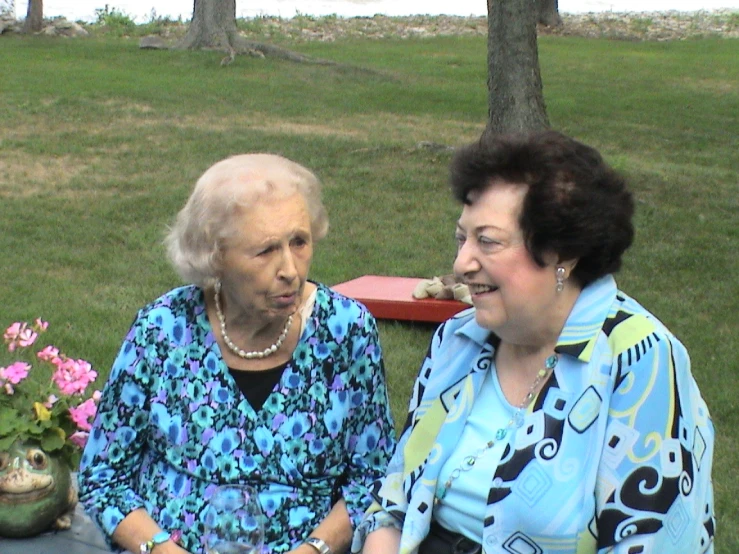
(586, 320)
(581, 330)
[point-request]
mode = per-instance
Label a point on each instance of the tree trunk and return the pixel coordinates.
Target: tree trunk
(34, 16)
(213, 26)
(515, 93)
(548, 13)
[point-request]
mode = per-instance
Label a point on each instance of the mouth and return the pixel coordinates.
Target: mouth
(26, 497)
(286, 298)
(477, 289)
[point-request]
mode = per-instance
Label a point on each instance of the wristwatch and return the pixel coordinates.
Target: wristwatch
(159, 538)
(319, 545)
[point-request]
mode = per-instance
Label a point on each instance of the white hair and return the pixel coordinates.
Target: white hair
(195, 240)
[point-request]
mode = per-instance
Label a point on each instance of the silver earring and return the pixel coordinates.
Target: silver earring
(560, 279)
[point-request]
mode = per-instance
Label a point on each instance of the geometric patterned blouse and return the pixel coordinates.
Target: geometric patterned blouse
(613, 456)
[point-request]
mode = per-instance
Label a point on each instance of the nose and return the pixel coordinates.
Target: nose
(288, 268)
(466, 263)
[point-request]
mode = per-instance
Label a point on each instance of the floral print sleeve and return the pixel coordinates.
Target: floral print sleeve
(172, 423)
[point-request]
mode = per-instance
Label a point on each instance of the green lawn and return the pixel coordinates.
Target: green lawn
(101, 143)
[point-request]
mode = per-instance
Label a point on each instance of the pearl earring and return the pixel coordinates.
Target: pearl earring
(560, 279)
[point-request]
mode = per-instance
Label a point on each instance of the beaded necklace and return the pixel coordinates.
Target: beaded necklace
(516, 421)
(235, 349)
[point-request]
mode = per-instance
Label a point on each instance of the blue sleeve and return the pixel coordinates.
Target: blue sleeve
(112, 456)
(374, 430)
(654, 490)
(390, 501)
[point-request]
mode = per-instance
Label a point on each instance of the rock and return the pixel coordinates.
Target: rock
(153, 42)
(63, 28)
(8, 24)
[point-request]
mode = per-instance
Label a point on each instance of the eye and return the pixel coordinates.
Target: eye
(266, 251)
(487, 241)
(460, 239)
(299, 241)
(4, 461)
(37, 458)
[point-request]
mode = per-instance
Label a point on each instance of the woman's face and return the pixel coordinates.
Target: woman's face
(511, 293)
(266, 260)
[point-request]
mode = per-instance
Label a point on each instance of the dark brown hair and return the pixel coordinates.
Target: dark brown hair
(576, 205)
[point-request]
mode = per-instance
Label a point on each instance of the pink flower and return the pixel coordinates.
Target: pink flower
(82, 415)
(19, 334)
(27, 337)
(15, 373)
(79, 438)
(41, 325)
(48, 354)
(73, 376)
(12, 332)
(51, 401)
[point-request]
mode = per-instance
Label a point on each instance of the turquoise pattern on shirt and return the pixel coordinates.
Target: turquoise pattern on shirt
(172, 423)
(614, 456)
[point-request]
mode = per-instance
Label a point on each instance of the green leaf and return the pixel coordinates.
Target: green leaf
(52, 439)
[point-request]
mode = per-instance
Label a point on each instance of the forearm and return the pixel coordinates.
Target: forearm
(335, 530)
(138, 527)
(385, 540)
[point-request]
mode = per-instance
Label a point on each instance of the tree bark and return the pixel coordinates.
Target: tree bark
(515, 91)
(548, 13)
(34, 16)
(213, 26)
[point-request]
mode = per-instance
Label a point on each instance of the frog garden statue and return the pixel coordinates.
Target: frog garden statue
(36, 492)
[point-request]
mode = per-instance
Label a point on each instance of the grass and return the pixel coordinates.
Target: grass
(101, 143)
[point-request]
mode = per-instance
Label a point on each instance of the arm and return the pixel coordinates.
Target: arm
(382, 541)
(380, 530)
(137, 528)
(335, 530)
(369, 434)
(654, 480)
(112, 456)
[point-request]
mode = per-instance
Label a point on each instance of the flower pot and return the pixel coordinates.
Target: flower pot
(36, 492)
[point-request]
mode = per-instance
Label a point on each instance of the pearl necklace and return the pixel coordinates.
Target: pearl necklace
(516, 420)
(235, 349)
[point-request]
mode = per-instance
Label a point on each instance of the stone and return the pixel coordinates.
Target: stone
(153, 42)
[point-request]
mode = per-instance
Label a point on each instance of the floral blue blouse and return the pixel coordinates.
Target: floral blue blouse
(172, 423)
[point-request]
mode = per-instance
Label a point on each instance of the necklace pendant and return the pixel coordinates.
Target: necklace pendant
(518, 419)
(500, 434)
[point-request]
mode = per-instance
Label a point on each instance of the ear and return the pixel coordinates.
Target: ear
(569, 265)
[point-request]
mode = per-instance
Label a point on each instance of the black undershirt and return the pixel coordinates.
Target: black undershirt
(256, 386)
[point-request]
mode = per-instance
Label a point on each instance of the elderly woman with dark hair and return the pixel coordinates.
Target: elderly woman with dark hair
(252, 375)
(557, 415)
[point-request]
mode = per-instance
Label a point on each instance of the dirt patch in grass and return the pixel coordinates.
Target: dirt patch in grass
(23, 175)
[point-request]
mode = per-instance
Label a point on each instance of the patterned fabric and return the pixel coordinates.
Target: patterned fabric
(614, 456)
(172, 423)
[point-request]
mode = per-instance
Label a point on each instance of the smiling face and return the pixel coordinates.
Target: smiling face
(265, 263)
(513, 296)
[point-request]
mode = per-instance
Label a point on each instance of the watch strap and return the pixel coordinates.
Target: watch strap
(319, 545)
(159, 538)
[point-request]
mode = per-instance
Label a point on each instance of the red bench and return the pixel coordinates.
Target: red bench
(392, 298)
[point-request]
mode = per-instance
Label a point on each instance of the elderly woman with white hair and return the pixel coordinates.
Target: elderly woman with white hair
(252, 374)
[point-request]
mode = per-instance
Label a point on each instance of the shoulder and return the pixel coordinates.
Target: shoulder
(630, 327)
(330, 303)
(181, 302)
